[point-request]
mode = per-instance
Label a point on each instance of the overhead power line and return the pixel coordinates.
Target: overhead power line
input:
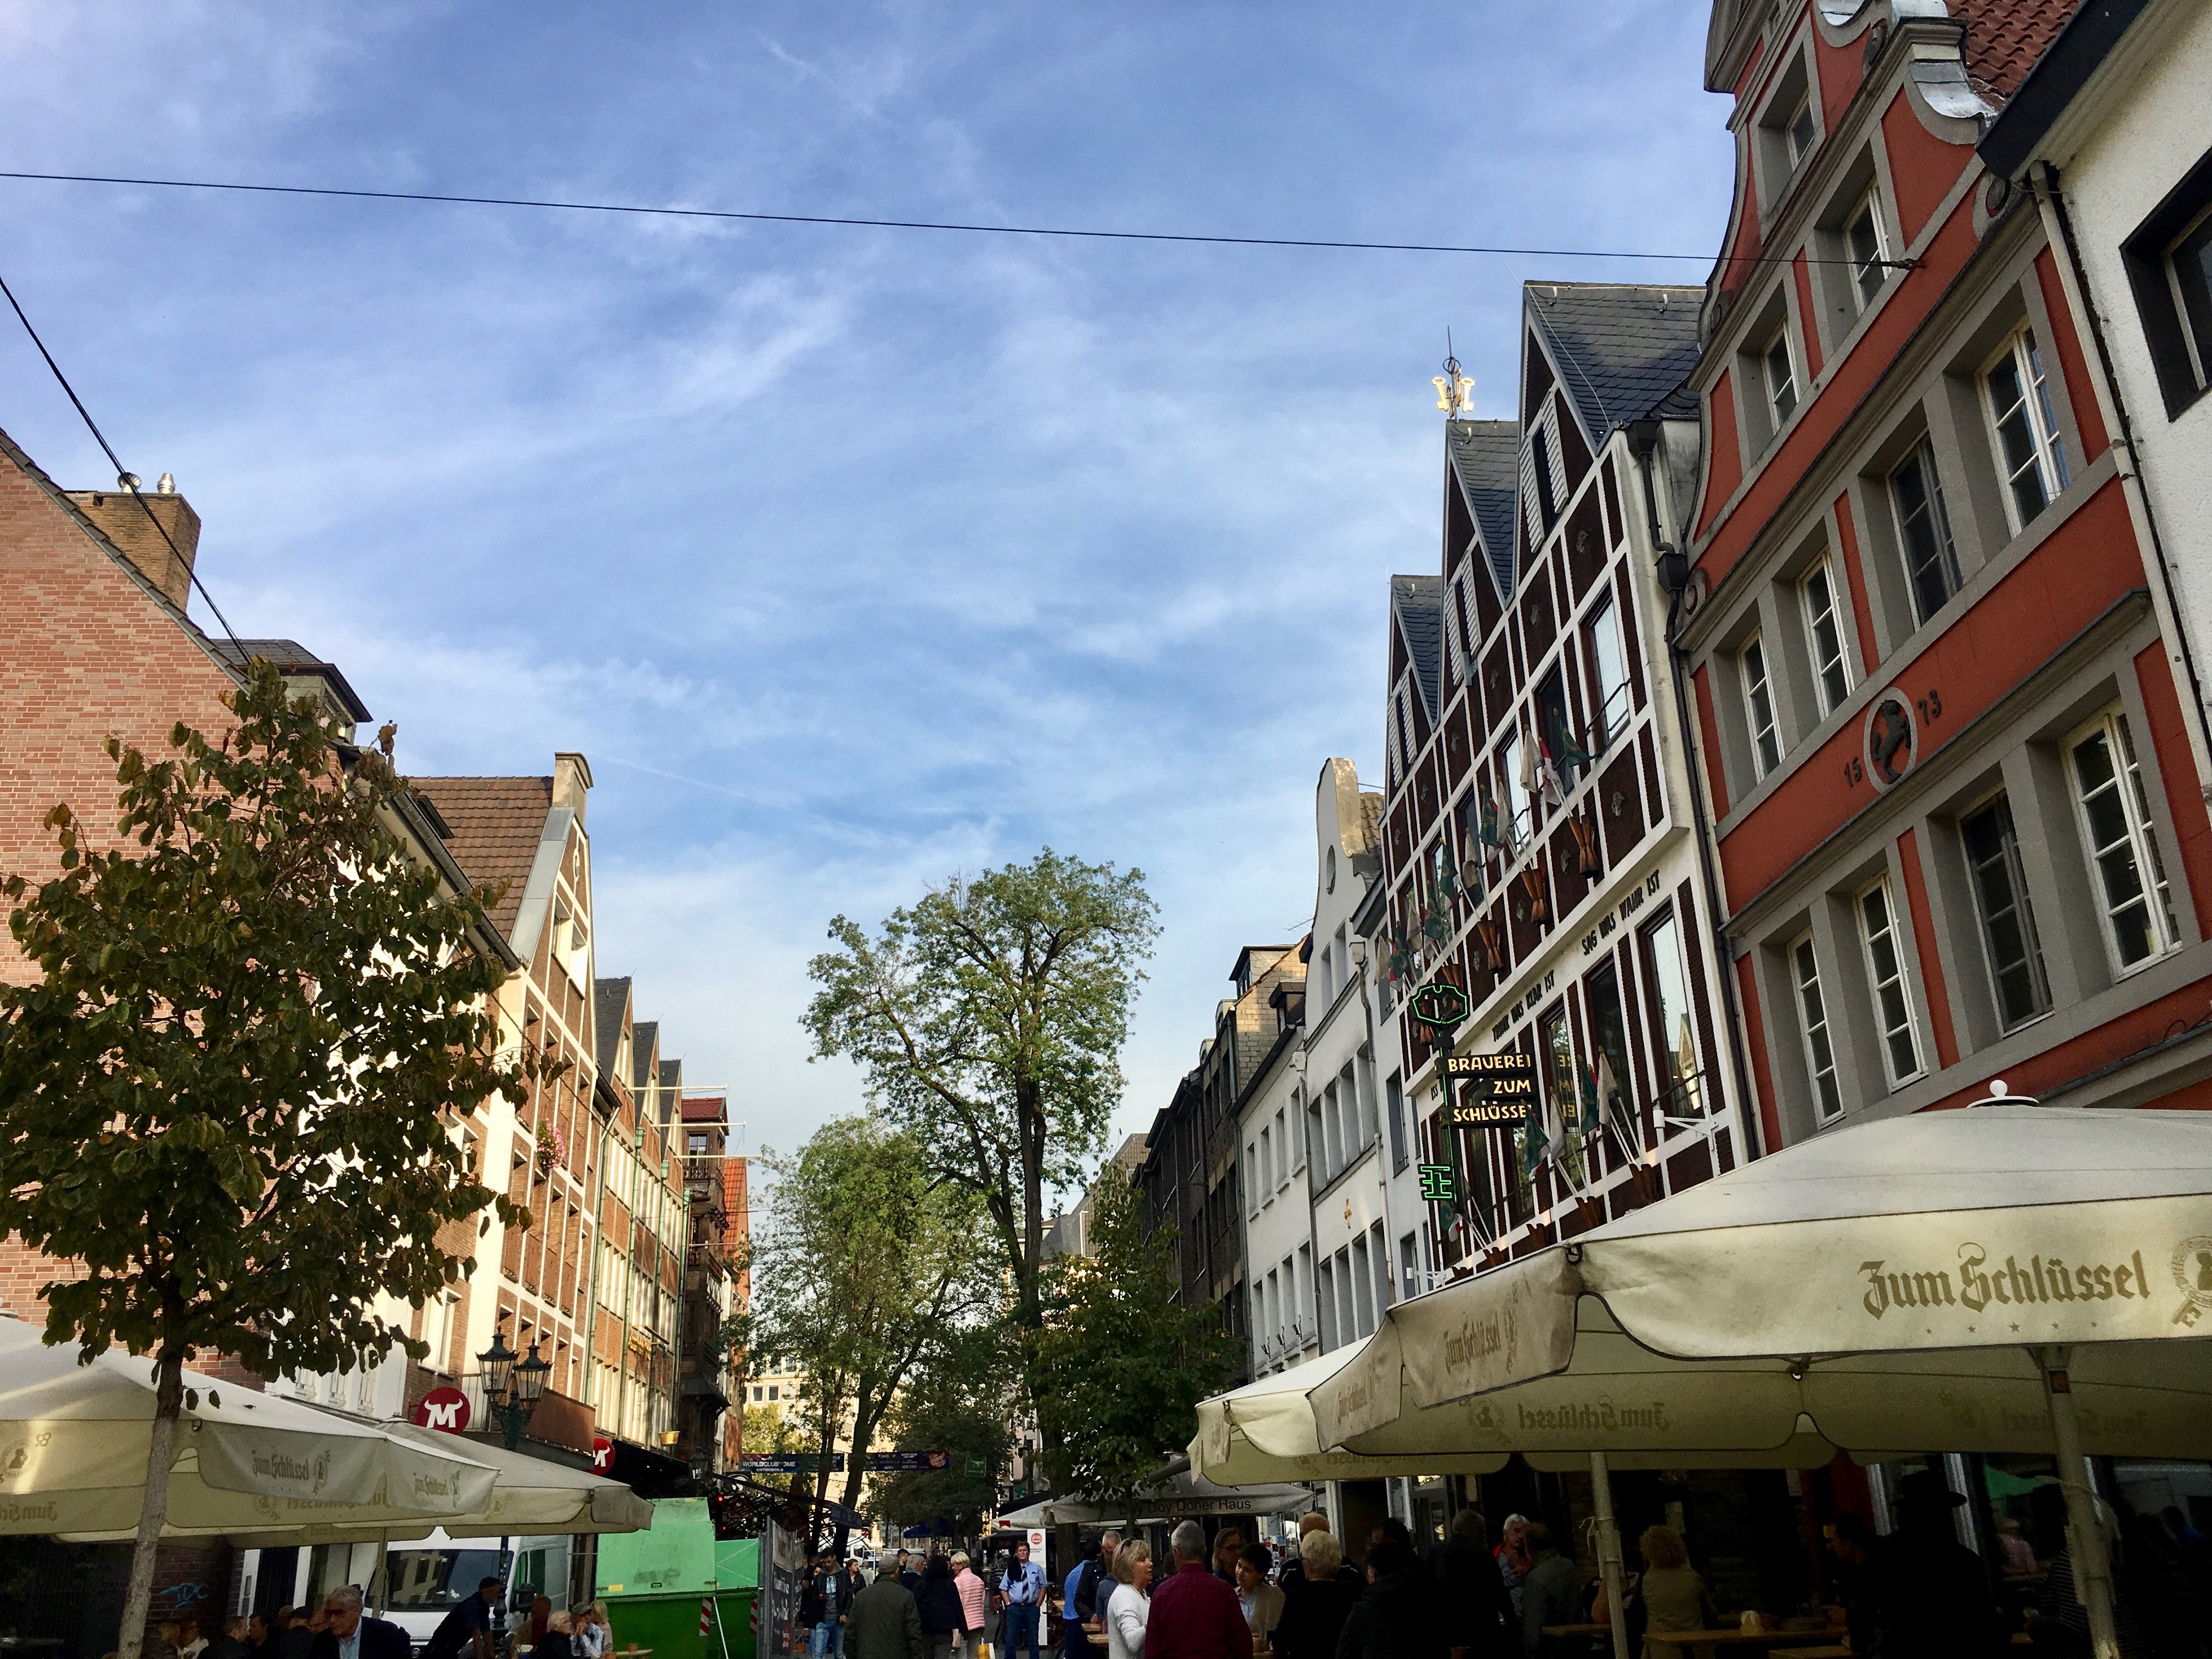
(124, 479)
(642, 210)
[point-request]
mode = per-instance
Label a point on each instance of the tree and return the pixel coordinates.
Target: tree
(228, 1095)
(989, 1018)
(768, 1430)
(961, 1401)
(1121, 1366)
(862, 1262)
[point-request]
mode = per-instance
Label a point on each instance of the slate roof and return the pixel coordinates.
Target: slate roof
(642, 1035)
(2004, 38)
(1485, 458)
(496, 824)
(1621, 350)
(609, 1000)
(1417, 603)
(289, 657)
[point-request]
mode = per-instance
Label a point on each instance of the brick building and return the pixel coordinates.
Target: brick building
(704, 1383)
(1961, 836)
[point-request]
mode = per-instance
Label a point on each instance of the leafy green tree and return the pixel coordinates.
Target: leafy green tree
(1121, 1366)
(989, 1018)
(768, 1429)
(962, 1401)
(229, 1094)
(862, 1262)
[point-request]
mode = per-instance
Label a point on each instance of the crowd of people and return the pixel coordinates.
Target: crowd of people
(340, 1628)
(1917, 1594)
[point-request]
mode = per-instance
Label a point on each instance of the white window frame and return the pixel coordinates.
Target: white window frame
(1777, 412)
(1939, 519)
(2023, 902)
(1803, 109)
(1758, 688)
(1823, 572)
(1885, 1034)
(2047, 445)
(1804, 960)
(1609, 652)
(2156, 893)
(2184, 317)
(1868, 207)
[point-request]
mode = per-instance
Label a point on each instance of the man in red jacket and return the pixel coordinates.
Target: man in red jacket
(1195, 1615)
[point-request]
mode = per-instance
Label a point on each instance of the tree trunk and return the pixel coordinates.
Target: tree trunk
(168, 1405)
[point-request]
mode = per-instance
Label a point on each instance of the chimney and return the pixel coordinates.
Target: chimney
(123, 521)
(572, 781)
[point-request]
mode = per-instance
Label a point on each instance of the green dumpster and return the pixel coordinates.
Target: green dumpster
(657, 1583)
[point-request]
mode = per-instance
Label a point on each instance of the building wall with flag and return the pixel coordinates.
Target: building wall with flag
(1542, 870)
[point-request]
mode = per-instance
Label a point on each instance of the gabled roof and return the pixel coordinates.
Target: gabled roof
(610, 1002)
(1485, 458)
(289, 658)
(643, 1034)
(497, 823)
(1417, 605)
(704, 1109)
(1619, 349)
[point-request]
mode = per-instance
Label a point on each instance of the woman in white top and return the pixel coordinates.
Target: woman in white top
(1129, 1607)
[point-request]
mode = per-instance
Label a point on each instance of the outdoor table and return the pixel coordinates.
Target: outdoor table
(1830, 1652)
(1577, 1630)
(1730, 1638)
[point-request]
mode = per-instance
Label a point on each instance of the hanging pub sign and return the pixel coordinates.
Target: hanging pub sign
(1439, 1004)
(1491, 1091)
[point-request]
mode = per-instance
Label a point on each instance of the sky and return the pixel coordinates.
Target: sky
(850, 558)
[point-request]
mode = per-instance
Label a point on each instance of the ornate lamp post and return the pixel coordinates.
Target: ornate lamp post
(512, 1386)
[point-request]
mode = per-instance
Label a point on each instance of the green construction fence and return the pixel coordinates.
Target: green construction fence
(656, 1583)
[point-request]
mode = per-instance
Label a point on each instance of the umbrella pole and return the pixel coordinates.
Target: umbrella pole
(1609, 1552)
(2086, 1542)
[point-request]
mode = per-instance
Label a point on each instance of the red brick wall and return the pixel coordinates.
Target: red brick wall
(84, 651)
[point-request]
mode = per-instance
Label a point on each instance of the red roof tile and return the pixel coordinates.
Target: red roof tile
(497, 823)
(2005, 37)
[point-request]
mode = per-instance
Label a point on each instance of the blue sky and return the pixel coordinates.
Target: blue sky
(850, 558)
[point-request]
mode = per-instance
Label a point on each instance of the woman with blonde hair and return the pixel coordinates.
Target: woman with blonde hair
(1674, 1597)
(1130, 1604)
(1317, 1599)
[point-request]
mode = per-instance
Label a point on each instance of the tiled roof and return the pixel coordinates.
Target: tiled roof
(610, 1002)
(1417, 603)
(1485, 457)
(289, 657)
(496, 824)
(2005, 37)
(705, 1108)
(1621, 350)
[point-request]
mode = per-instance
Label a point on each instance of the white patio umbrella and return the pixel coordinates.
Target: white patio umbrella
(530, 1495)
(1264, 1432)
(1185, 1494)
(1996, 1278)
(73, 1442)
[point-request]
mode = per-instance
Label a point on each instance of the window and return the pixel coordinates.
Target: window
(1866, 245)
(2189, 275)
(2015, 955)
(1252, 1185)
(1547, 500)
(1362, 1288)
(1781, 377)
(1824, 636)
(1758, 708)
(1799, 133)
(2030, 452)
(1281, 1172)
(1555, 725)
(1893, 998)
(697, 1143)
(1923, 532)
(1409, 1267)
(1507, 768)
(1678, 1049)
(1395, 1095)
(1325, 1301)
(1332, 1126)
(1610, 661)
(2137, 908)
(1609, 1038)
(1378, 1258)
(772, 1390)
(1316, 1144)
(1813, 1021)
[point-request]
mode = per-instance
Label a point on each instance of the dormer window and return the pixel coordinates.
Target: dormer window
(1789, 130)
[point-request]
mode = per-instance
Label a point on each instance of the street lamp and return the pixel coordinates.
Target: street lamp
(512, 1386)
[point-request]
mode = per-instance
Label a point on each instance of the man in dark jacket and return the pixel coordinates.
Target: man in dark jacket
(1927, 1594)
(350, 1636)
(1551, 1594)
(1094, 1589)
(1401, 1616)
(884, 1621)
(1477, 1612)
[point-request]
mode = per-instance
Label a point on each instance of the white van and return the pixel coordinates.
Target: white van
(426, 1578)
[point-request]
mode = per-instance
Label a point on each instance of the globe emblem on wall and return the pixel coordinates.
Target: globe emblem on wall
(1892, 739)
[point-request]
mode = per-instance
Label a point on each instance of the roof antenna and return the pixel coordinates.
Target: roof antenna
(1454, 391)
